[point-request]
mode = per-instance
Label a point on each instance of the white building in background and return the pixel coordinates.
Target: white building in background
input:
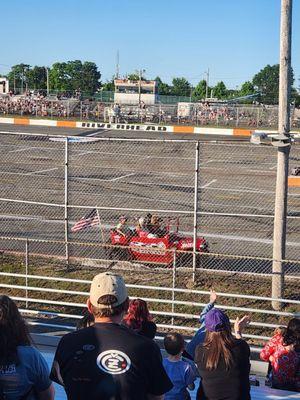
(4, 85)
(135, 92)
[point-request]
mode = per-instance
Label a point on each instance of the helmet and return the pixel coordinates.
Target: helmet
(141, 221)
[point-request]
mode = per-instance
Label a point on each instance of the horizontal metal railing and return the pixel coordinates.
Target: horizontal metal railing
(153, 302)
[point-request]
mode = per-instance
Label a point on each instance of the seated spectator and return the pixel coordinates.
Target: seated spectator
(200, 334)
(23, 371)
(155, 228)
(180, 371)
(86, 321)
(107, 360)
(140, 226)
(138, 319)
(223, 360)
(283, 353)
(122, 228)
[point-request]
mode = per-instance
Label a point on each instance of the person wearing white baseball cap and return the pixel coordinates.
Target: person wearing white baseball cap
(108, 361)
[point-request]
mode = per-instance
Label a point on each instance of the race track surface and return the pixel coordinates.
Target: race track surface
(236, 187)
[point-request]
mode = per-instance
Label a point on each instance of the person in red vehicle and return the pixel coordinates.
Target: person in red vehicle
(155, 227)
(122, 228)
(283, 353)
(139, 319)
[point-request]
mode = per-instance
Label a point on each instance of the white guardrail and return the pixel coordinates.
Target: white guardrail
(26, 298)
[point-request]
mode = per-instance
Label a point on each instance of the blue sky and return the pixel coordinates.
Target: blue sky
(233, 38)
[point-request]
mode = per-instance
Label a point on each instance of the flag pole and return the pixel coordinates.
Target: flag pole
(100, 225)
(101, 231)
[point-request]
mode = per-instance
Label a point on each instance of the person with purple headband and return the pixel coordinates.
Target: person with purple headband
(200, 334)
(223, 360)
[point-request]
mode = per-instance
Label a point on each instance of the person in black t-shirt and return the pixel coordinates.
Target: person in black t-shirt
(108, 361)
(223, 360)
(138, 319)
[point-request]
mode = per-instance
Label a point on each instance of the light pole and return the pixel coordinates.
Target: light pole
(141, 71)
(282, 142)
(47, 76)
(207, 82)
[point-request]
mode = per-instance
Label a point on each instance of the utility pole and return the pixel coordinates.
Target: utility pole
(207, 82)
(283, 144)
(140, 83)
(117, 65)
(47, 75)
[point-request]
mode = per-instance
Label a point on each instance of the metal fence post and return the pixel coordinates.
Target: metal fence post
(173, 285)
(26, 268)
(66, 201)
(280, 214)
(196, 187)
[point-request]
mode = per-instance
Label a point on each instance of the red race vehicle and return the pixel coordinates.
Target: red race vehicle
(144, 246)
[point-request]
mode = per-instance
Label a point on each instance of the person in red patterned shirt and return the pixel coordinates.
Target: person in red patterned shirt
(283, 353)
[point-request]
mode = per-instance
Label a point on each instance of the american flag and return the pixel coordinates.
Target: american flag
(90, 219)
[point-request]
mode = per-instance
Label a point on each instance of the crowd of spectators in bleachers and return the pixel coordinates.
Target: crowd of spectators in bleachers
(66, 105)
(112, 354)
(33, 104)
(213, 114)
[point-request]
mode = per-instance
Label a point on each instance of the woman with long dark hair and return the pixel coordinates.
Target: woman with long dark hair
(283, 354)
(139, 319)
(223, 360)
(24, 373)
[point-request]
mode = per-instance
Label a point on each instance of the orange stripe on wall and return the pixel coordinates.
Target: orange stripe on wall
(183, 129)
(66, 124)
(294, 181)
(242, 132)
(21, 121)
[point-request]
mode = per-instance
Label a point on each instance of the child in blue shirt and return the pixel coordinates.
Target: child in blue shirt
(181, 372)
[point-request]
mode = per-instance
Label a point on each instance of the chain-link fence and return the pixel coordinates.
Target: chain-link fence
(212, 207)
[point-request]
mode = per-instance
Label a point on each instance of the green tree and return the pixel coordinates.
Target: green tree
(266, 81)
(181, 87)
(162, 88)
(59, 78)
(109, 86)
(18, 76)
(90, 77)
(74, 75)
(37, 78)
(220, 90)
(135, 76)
(199, 93)
(247, 89)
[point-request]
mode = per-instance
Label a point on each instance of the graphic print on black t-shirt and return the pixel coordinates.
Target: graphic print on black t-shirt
(109, 362)
(113, 362)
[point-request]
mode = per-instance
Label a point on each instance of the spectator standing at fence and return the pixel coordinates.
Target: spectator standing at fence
(139, 319)
(107, 360)
(199, 336)
(283, 353)
(180, 371)
(23, 370)
(223, 360)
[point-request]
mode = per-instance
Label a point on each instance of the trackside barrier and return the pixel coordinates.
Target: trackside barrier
(176, 129)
